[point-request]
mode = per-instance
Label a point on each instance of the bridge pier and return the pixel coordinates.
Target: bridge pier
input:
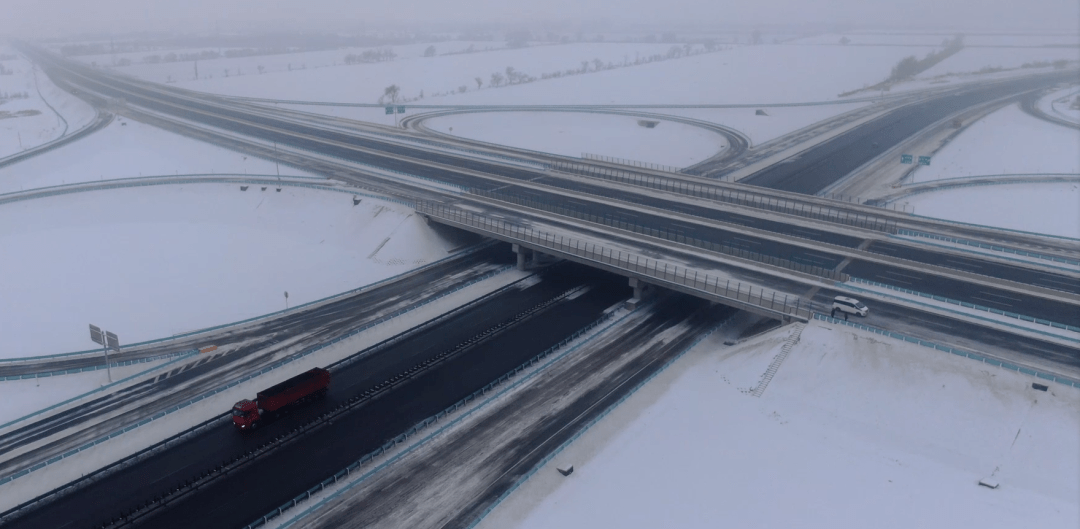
(639, 293)
(522, 256)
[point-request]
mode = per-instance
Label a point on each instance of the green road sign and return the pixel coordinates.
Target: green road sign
(906, 158)
(924, 160)
(389, 110)
(400, 110)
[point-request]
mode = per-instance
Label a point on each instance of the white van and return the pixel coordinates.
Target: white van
(849, 305)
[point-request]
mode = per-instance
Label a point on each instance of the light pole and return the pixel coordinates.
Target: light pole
(286, 300)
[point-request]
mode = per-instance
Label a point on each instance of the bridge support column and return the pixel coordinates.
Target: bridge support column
(639, 293)
(522, 256)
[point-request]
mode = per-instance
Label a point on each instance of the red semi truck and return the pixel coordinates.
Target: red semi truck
(247, 414)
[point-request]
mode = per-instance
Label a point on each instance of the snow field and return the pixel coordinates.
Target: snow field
(18, 133)
(150, 262)
(1051, 209)
(1008, 141)
(854, 431)
(573, 133)
(127, 149)
(17, 491)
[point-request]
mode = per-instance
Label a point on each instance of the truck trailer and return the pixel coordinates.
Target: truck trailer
(248, 414)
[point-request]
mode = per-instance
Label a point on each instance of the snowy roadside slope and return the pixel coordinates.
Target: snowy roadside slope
(49, 108)
(1008, 141)
(973, 59)
(854, 431)
(127, 149)
(149, 262)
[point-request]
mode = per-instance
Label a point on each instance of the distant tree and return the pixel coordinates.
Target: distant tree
(907, 67)
(687, 48)
(584, 66)
(844, 40)
(479, 83)
(421, 94)
(261, 68)
(390, 94)
(462, 89)
(511, 74)
(755, 37)
(1060, 64)
(710, 45)
(169, 57)
(669, 37)
(124, 62)
(226, 72)
(430, 51)
(496, 79)
(152, 59)
(674, 52)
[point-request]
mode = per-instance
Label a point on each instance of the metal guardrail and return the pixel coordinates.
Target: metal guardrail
(959, 352)
(730, 196)
(280, 363)
(94, 367)
(965, 304)
(631, 163)
(663, 234)
(965, 242)
(659, 273)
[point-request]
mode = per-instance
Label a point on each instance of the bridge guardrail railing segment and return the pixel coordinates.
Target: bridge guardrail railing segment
(992, 247)
(967, 305)
(654, 271)
(631, 163)
(666, 235)
(275, 365)
(959, 352)
(739, 198)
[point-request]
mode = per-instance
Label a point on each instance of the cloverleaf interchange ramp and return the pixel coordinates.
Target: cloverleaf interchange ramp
(776, 226)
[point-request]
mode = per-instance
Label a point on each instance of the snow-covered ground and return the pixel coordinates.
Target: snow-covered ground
(1008, 141)
(150, 262)
(129, 149)
(1060, 104)
(855, 430)
(573, 133)
(29, 122)
(1052, 209)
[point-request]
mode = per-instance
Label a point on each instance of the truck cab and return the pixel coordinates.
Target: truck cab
(245, 414)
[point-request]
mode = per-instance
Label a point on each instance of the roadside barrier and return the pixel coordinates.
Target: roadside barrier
(959, 352)
(965, 304)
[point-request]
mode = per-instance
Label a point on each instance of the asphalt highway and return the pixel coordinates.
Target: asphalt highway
(816, 169)
(256, 489)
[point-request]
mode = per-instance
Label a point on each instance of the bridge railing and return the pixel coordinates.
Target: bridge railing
(731, 196)
(660, 273)
(721, 247)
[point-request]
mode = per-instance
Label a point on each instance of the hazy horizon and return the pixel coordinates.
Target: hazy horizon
(56, 18)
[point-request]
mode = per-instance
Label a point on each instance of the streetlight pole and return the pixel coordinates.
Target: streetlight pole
(286, 300)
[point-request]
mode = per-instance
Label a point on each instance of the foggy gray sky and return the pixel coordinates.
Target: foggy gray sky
(31, 18)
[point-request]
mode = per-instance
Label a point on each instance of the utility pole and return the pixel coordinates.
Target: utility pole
(196, 69)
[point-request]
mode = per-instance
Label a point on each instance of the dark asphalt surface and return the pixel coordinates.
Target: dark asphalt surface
(85, 422)
(816, 169)
(256, 489)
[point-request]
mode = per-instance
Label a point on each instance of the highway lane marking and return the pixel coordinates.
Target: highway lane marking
(992, 301)
(962, 263)
(998, 295)
(887, 279)
(746, 241)
(928, 322)
(917, 278)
